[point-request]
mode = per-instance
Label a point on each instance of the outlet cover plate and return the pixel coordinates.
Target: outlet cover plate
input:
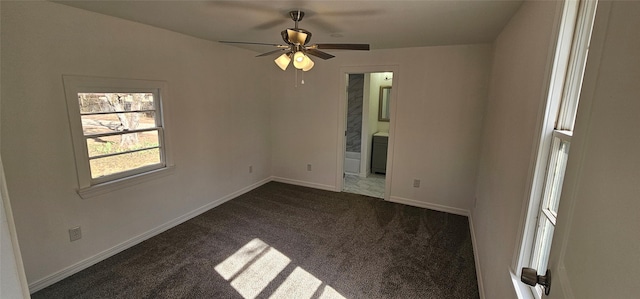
(75, 234)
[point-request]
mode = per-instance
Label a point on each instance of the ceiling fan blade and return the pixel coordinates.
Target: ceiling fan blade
(296, 37)
(272, 52)
(327, 27)
(319, 54)
(270, 24)
(250, 43)
(363, 47)
(353, 13)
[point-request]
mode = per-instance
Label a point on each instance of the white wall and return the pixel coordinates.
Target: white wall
(13, 283)
(596, 246)
(220, 126)
(440, 103)
(521, 57)
(218, 118)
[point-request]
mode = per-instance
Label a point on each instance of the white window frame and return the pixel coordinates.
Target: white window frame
(563, 94)
(88, 186)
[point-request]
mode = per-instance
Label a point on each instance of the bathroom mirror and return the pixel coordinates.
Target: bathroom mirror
(385, 98)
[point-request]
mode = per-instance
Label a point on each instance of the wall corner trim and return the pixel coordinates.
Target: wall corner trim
(88, 262)
(305, 184)
(431, 206)
(476, 257)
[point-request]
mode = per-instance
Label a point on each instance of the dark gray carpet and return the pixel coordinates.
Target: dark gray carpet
(344, 245)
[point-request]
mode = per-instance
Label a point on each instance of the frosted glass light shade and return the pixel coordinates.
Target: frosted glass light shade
(283, 61)
(298, 60)
(309, 65)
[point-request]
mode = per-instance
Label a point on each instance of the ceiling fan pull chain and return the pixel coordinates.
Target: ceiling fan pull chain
(302, 82)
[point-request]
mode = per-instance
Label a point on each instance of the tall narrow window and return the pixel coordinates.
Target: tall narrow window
(569, 65)
(117, 128)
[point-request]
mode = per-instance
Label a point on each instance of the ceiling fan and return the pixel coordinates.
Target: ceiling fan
(296, 48)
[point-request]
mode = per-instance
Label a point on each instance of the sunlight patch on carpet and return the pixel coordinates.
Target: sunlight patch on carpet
(299, 284)
(232, 265)
(330, 293)
(256, 264)
(250, 282)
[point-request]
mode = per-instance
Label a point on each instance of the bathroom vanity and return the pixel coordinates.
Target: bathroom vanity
(379, 152)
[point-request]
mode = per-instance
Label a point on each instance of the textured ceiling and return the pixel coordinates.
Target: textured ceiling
(383, 24)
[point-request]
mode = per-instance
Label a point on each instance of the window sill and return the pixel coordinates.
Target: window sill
(104, 188)
(522, 291)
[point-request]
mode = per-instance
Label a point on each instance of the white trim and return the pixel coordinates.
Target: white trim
(72, 86)
(573, 178)
(342, 119)
(576, 67)
(365, 145)
(564, 85)
(88, 262)
(428, 205)
(522, 291)
(305, 184)
(8, 219)
(554, 75)
(476, 258)
(110, 186)
(597, 45)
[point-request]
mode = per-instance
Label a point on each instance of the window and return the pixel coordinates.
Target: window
(548, 210)
(118, 130)
(553, 152)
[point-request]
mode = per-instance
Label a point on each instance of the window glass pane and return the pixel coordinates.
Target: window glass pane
(123, 162)
(121, 143)
(115, 102)
(117, 122)
(558, 177)
(543, 245)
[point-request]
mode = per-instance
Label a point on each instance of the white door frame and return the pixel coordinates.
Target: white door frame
(342, 119)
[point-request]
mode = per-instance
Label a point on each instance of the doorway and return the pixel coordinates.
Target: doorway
(366, 137)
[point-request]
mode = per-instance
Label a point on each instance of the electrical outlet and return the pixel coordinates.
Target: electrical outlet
(308, 167)
(416, 183)
(75, 234)
(250, 168)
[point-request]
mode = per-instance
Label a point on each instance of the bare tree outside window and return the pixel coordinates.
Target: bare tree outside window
(120, 129)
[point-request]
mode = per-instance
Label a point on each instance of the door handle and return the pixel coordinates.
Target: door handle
(530, 276)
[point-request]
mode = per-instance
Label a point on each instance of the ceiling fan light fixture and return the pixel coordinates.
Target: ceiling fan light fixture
(296, 46)
(283, 61)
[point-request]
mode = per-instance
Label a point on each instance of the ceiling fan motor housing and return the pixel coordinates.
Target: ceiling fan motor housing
(291, 37)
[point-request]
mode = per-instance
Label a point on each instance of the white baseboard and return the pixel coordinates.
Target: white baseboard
(86, 263)
(428, 205)
(303, 183)
(475, 257)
